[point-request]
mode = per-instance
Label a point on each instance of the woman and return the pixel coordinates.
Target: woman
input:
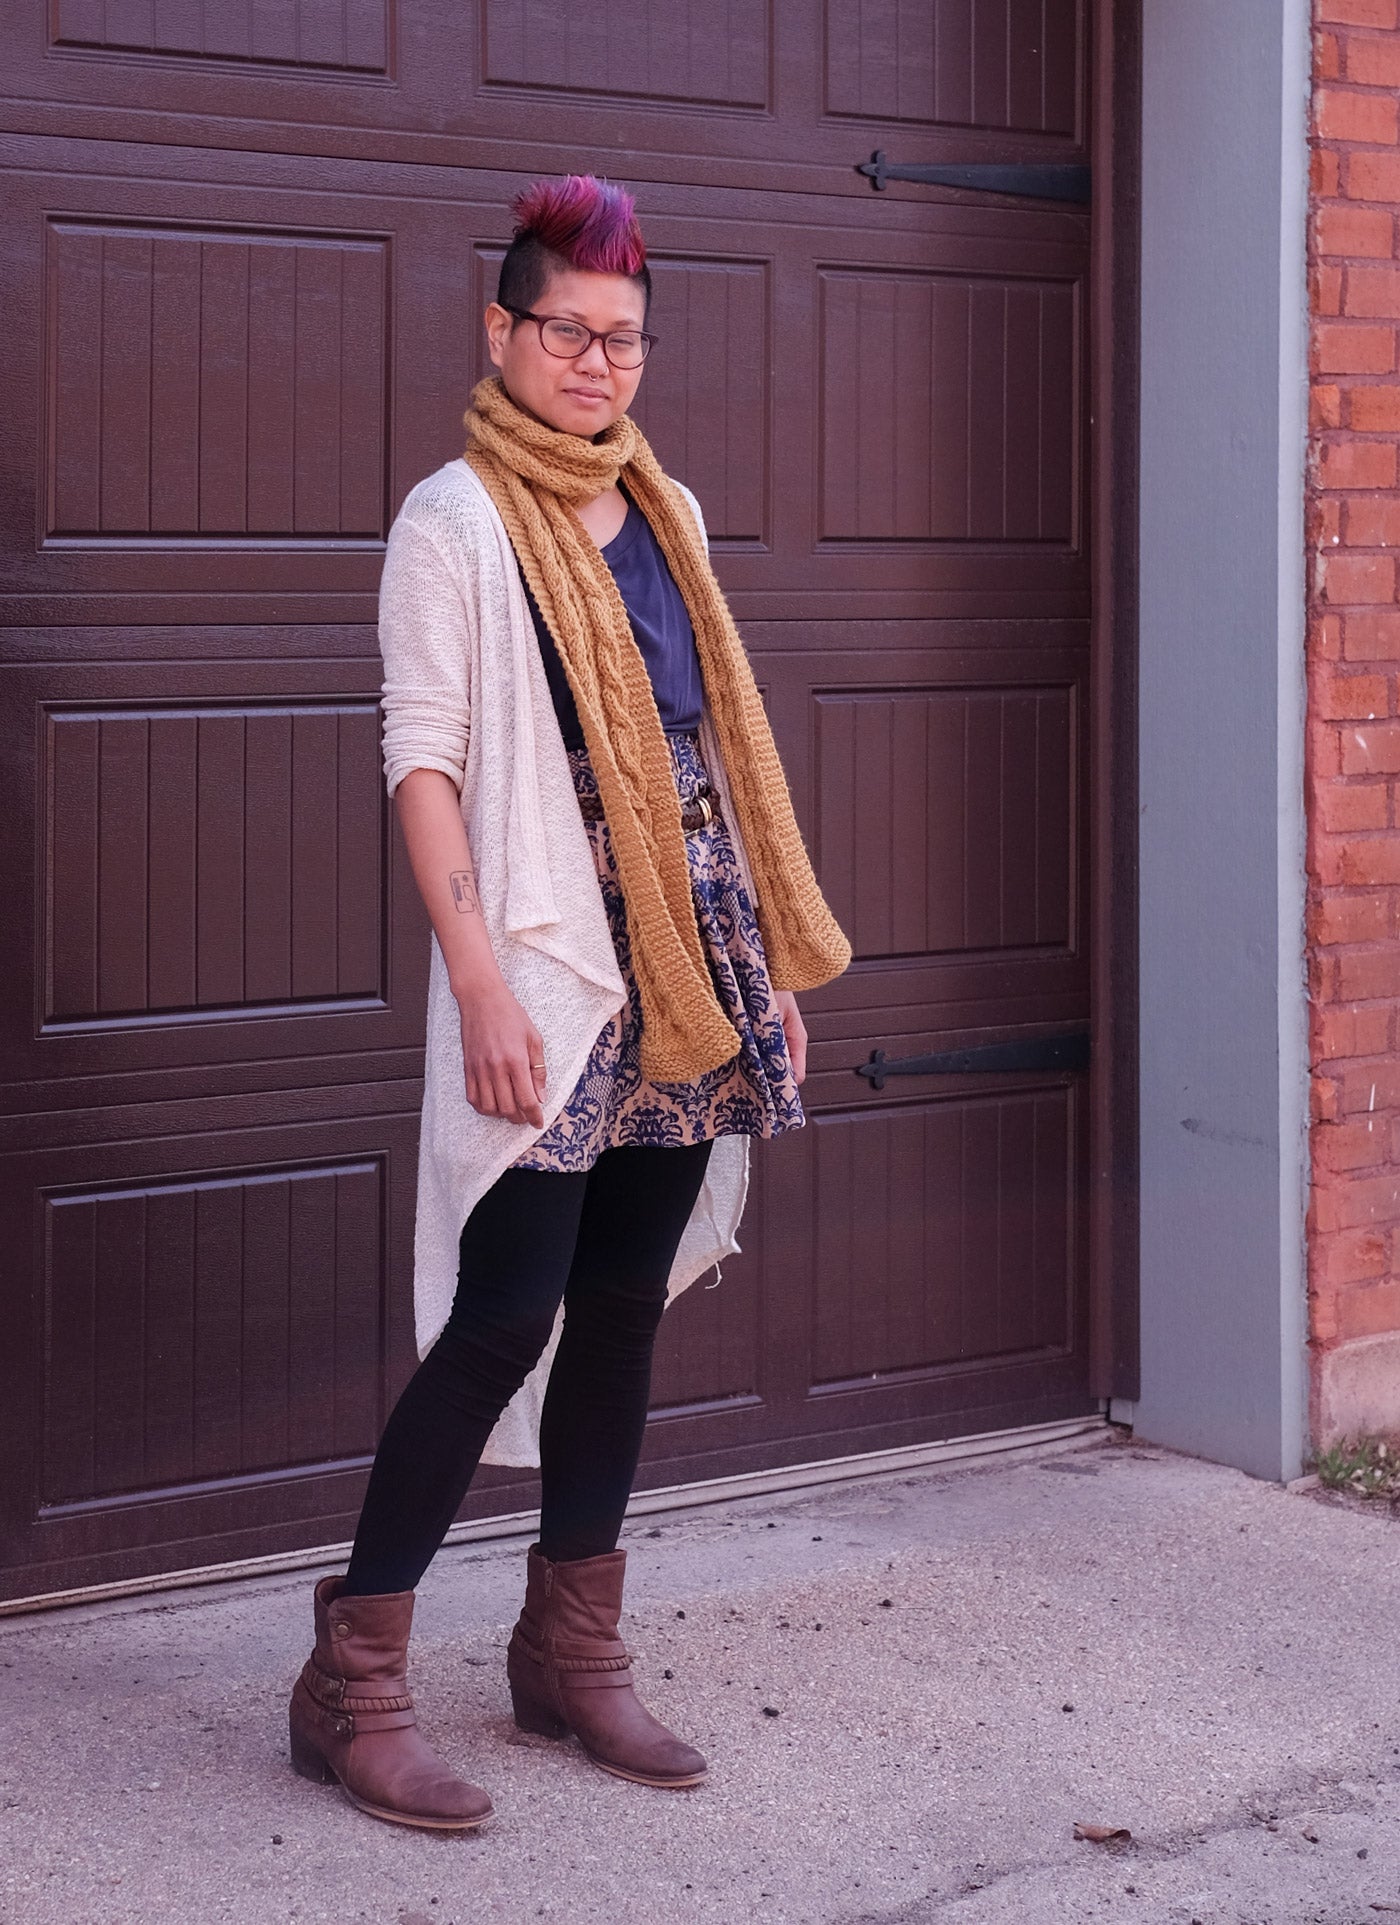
(599, 826)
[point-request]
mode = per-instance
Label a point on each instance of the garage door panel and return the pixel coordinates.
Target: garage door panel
(216, 1325)
(939, 428)
(202, 859)
(345, 35)
(950, 63)
(959, 424)
(941, 795)
(212, 872)
(329, 59)
(237, 1322)
(690, 51)
(212, 398)
(947, 818)
(209, 385)
(943, 1233)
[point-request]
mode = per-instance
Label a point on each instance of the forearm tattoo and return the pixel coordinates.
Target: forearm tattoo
(464, 892)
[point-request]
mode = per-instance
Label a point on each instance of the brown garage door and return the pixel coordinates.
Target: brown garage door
(241, 323)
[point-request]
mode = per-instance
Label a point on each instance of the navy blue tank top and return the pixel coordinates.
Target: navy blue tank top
(659, 622)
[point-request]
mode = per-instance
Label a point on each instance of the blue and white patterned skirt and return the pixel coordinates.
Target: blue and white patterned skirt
(754, 1094)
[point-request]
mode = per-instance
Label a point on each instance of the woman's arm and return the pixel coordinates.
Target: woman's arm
(499, 1042)
(427, 616)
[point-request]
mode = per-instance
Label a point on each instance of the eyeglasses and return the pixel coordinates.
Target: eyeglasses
(567, 340)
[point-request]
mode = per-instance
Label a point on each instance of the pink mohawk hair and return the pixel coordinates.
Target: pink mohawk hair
(587, 222)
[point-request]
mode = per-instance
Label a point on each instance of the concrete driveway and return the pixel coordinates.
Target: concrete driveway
(910, 1689)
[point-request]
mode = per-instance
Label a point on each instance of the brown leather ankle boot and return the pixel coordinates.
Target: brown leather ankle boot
(569, 1671)
(352, 1717)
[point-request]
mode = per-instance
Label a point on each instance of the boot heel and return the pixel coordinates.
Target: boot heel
(307, 1762)
(531, 1715)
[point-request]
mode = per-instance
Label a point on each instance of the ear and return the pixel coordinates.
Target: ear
(499, 323)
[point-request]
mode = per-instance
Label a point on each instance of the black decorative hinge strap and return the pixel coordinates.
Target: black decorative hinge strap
(1031, 1055)
(1036, 180)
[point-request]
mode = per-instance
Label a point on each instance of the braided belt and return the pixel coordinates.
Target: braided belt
(696, 810)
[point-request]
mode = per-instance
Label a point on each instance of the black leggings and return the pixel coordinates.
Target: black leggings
(601, 1239)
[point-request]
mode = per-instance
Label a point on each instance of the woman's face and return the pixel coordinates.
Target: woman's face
(583, 396)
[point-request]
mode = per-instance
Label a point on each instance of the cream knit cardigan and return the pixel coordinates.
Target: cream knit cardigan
(465, 692)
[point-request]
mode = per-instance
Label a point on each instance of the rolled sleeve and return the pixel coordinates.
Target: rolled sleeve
(424, 636)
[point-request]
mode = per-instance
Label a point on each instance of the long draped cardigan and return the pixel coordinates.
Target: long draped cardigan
(465, 692)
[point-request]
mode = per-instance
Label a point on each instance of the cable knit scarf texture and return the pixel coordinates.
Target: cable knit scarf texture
(536, 475)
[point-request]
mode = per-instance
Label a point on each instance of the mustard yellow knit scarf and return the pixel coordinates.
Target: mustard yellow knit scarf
(535, 475)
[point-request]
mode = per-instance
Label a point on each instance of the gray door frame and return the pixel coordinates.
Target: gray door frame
(1222, 1013)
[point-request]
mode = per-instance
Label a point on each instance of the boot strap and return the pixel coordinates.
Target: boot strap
(339, 1694)
(376, 1705)
(618, 1678)
(395, 1720)
(575, 1665)
(614, 1657)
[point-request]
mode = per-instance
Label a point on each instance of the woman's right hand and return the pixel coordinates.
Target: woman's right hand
(499, 1045)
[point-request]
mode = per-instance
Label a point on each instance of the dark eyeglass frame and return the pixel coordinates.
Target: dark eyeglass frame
(648, 340)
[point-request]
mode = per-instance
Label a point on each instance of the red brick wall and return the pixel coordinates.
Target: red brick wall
(1354, 718)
